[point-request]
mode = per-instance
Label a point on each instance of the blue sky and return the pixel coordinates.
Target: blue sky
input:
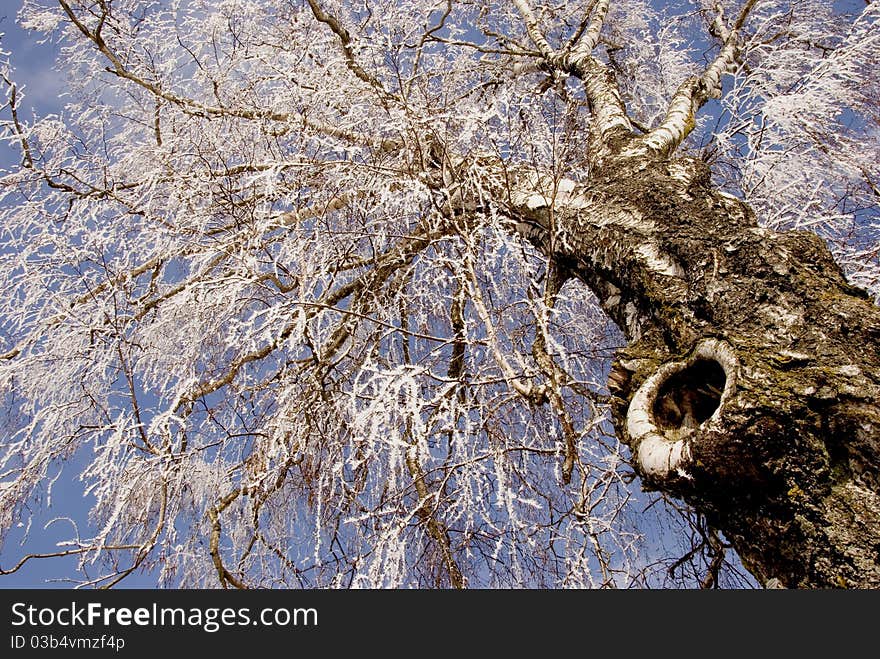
(33, 68)
(43, 87)
(32, 62)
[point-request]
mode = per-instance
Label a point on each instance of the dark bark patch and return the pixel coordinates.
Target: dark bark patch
(690, 396)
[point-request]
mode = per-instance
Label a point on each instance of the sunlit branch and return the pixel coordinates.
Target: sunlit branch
(66, 552)
(590, 38)
(28, 160)
(693, 93)
(225, 576)
(606, 103)
(534, 30)
(345, 42)
(350, 136)
(385, 266)
(145, 548)
(513, 380)
(188, 105)
(555, 374)
(426, 512)
(429, 34)
(135, 405)
(57, 319)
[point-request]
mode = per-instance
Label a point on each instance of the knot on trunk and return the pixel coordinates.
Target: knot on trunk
(679, 399)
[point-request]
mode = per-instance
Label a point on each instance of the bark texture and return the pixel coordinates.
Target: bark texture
(750, 386)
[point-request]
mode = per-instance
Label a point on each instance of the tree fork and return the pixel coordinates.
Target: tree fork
(750, 385)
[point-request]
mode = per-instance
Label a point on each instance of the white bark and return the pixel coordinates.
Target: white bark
(663, 452)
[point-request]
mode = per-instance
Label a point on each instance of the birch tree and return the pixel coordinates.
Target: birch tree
(427, 293)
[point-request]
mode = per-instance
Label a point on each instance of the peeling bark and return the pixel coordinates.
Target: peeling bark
(749, 387)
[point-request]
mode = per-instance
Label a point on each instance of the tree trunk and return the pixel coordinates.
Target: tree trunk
(749, 386)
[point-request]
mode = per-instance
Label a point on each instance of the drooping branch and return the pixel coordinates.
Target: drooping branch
(426, 514)
(384, 266)
(345, 42)
(191, 106)
(198, 108)
(223, 573)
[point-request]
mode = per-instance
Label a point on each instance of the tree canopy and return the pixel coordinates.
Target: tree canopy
(263, 287)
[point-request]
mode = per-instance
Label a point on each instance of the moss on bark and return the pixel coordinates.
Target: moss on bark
(788, 470)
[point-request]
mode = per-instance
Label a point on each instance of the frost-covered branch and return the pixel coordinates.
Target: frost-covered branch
(609, 113)
(345, 42)
(534, 30)
(587, 42)
(189, 105)
(694, 92)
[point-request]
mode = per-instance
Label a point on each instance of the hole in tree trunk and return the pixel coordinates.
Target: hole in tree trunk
(689, 397)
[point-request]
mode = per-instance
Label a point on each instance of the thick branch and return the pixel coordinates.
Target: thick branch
(345, 42)
(534, 30)
(590, 39)
(606, 103)
(693, 93)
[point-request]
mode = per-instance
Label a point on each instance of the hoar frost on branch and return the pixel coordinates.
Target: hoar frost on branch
(280, 275)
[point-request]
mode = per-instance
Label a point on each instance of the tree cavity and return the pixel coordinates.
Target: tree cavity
(688, 398)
